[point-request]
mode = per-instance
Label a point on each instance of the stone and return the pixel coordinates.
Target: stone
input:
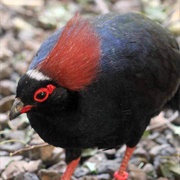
(26, 176)
(148, 168)
(5, 70)
(7, 87)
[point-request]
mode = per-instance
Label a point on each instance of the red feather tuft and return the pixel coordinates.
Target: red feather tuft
(74, 61)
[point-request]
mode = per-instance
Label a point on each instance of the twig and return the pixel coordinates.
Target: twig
(13, 140)
(28, 148)
(166, 122)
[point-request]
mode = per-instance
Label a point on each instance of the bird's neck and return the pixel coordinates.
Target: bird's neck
(64, 114)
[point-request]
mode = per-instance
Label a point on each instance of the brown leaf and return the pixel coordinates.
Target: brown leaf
(15, 168)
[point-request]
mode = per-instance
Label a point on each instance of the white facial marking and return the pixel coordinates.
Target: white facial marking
(35, 74)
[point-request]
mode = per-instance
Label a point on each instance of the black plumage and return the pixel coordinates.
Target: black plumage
(139, 75)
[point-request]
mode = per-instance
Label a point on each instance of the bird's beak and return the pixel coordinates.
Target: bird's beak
(18, 108)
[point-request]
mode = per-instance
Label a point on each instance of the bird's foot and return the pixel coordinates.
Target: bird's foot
(117, 176)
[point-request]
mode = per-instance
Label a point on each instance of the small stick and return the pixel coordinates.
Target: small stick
(28, 148)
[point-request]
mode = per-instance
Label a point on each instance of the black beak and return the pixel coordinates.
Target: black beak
(16, 109)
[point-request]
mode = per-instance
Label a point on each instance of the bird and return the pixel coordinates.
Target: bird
(97, 82)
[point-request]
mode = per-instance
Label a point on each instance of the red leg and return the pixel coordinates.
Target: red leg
(122, 174)
(70, 169)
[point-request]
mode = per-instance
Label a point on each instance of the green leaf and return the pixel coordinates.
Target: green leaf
(165, 170)
(175, 168)
(146, 134)
(176, 129)
(89, 152)
(91, 166)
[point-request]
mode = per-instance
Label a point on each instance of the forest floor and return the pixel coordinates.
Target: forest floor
(23, 155)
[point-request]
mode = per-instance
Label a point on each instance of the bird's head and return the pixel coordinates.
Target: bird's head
(37, 92)
(70, 65)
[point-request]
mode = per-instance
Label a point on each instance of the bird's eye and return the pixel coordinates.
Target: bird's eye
(43, 93)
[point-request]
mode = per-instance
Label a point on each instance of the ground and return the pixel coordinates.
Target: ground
(23, 155)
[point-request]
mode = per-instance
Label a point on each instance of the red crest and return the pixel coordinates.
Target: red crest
(74, 61)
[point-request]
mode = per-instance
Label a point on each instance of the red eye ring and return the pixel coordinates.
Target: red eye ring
(44, 93)
(39, 92)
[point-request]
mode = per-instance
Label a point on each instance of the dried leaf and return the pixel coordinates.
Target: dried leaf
(15, 168)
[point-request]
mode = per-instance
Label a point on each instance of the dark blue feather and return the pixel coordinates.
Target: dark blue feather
(45, 49)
